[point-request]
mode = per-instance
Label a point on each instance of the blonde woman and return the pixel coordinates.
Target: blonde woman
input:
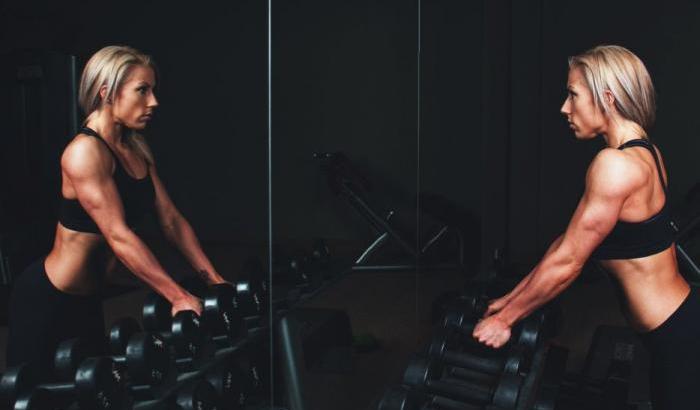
(109, 183)
(622, 220)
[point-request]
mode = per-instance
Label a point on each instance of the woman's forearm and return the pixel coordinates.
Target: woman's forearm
(180, 233)
(136, 256)
(526, 280)
(552, 275)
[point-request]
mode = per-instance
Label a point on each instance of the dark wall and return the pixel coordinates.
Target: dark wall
(344, 79)
(209, 135)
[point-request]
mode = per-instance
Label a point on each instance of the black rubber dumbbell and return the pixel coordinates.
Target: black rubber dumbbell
(220, 310)
(426, 376)
(514, 361)
(145, 360)
(196, 395)
(526, 334)
(232, 380)
(98, 383)
(299, 272)
(185, 332)
(404, 398)
(253, 289)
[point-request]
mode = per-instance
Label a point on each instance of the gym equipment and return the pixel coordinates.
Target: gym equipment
(185, 331)
(513, 362)
(220, 313)
(145, 359)
(300, 271)
(198, 395)
(425, 375)
(403, 398)
(229, 380)
(347, 182)
(97, 384)
(527, 333)
(253, 289)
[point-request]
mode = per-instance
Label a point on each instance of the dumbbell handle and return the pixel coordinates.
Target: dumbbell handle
(66, 389)
(472, 375)
(476, 392)
(443, 403)
(470, 361)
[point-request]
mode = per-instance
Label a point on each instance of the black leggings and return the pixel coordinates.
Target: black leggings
(675, 357)
(41, 316)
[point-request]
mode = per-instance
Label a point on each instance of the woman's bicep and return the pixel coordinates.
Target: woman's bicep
(96, 191)
(607, 189)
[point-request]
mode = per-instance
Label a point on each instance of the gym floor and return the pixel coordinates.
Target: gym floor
(394, 307)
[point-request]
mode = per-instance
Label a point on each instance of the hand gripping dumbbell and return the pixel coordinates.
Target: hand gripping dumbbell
(185, 331)
(526, 334)
(404, 398)
(426, 376)
(220, 311)
(250, 297)
(442, 348)
(145, 360)
(97, 384)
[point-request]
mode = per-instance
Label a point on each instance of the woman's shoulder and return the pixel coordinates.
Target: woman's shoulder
(611, 167)
(85, 152)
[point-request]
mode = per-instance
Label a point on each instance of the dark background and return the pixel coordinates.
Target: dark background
(449, 97)
(345, 77)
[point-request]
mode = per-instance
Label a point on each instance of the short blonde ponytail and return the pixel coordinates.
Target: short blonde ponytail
(615, 68)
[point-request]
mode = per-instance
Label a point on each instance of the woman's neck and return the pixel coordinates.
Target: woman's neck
(104, 124)
(621, 130)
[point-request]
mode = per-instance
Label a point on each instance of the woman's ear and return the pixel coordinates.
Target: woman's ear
(609, 99)
(103, 95)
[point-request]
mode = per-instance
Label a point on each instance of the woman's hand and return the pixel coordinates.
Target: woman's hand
(212, 278)
(187, 302)
(492, 331)
(495, 305)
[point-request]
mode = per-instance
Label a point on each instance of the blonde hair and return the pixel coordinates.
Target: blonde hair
(618, 70)
(110, 67)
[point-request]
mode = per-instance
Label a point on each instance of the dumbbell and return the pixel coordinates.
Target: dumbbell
(253, 288)
(185, 331)
(527, 333)
(220, 313)
(196, 395)
(404, 398)
(97, 384)
(425, 375)
(145, 360)
(233, 382)
(254, 358)
(300, 271)
(513, 362)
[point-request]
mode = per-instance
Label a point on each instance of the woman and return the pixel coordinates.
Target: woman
(622, 220)
(109, 182)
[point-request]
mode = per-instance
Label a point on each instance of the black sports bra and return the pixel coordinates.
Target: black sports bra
(629, 240)
(137, 195)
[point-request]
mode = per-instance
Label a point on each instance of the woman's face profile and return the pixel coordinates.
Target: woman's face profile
(135, 100)
(579, 108)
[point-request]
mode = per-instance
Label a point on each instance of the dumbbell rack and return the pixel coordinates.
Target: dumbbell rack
(183, 379)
